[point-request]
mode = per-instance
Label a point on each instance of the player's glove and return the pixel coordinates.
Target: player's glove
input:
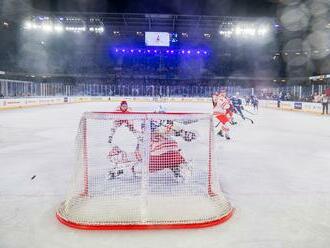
(169, 122)
(177, 133)
(189, 136)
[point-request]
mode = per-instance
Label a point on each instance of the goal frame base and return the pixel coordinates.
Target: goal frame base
(146, 226)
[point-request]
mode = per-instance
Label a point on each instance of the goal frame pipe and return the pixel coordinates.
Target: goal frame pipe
(146, 226)
(209, 172)
(85, 157)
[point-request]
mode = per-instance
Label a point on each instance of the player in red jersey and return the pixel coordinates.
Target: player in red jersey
(222, 111)
(123, 108)
(164, 149)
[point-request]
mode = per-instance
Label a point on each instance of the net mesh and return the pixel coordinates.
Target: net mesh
(144, 169)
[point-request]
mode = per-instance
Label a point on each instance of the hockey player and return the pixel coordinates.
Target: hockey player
(164, 151)
(222, 111)
(238, 107)
(116, 155)
(237, 103)
(255, 102)
(123, 161)
(122, 108)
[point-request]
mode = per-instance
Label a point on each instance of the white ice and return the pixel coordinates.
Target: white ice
(276, 174)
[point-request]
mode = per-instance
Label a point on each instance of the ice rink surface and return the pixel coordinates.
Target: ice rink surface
(276, 174)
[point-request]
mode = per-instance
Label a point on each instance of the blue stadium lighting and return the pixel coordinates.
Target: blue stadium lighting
(182, 52)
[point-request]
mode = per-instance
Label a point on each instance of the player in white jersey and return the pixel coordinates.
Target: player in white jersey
(121, 160)
(222, 109)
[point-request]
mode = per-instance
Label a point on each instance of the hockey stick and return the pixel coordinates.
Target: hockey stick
(244, 117)
(252, 122)
(247, 111)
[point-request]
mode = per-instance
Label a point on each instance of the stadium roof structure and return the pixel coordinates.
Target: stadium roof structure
(134, 22)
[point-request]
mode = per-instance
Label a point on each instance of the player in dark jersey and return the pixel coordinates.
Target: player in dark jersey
(255, 102)
(237, 103)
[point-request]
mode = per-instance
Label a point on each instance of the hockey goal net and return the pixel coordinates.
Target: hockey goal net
(144, 170)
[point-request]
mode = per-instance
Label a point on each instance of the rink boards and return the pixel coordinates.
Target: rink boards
(13, 103)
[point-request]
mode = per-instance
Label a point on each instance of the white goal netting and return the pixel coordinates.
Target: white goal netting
(144, 170)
